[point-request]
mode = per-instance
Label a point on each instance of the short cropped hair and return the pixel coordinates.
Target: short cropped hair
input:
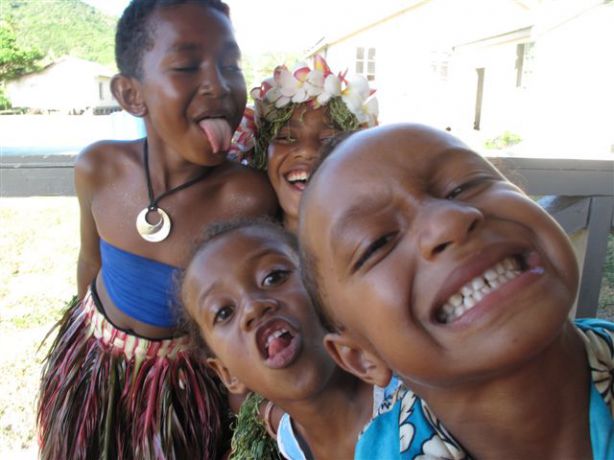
(212, 233)
(134, 32)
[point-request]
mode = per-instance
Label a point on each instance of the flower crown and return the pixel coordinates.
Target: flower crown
(351, 105)
(316, 87)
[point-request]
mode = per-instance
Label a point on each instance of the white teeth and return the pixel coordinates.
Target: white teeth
(295, 176)
(456, 300)
(477, 283)
(478, 288)
(448, 309)
(469, 302)
(275, 335)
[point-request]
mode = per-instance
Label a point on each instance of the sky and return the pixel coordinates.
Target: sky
(286, 25)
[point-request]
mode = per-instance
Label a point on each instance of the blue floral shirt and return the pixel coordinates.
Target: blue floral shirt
(405, 428)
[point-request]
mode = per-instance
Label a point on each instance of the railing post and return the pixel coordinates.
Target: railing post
(598, 228)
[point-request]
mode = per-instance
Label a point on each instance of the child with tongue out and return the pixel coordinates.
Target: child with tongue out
(295, 113)
(120, 381)
(249, 312)
(426, 262)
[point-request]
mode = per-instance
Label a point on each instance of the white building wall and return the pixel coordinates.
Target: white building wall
(408, 46)
(70, 84)
(573, 96)
(567, 106)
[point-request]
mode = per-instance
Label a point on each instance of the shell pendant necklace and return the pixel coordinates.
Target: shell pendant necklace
(157, 232)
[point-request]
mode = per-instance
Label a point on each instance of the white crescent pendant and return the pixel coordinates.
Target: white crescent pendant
(156, 232)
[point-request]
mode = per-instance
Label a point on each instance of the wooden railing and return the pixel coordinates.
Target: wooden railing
(578, 193)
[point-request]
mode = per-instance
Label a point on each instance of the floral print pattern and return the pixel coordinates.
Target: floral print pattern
(422, 436)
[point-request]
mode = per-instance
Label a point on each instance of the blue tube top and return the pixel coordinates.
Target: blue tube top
(142, 288)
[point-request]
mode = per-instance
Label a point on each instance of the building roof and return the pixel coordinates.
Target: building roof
(95, 68)
(523, 20)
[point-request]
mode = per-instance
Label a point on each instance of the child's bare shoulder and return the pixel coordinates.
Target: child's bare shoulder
(247, 187)
(102, 161)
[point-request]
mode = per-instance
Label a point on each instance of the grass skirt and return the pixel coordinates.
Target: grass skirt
(107, 394)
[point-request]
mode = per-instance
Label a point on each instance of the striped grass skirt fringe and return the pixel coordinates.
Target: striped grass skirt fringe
(107, 394)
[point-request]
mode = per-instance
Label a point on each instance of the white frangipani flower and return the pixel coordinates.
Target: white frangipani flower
(317, 87)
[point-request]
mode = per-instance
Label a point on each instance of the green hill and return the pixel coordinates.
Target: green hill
(61, 27)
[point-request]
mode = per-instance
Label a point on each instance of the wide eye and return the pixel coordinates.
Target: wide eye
(275, 278)
(223, 314)
(372, 249)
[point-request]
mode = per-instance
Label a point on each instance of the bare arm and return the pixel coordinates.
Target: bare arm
(88, 263)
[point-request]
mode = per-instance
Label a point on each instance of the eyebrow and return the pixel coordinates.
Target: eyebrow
(228, 47)
(256, 255)
(201, 298)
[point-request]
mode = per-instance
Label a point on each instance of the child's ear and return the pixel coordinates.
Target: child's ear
(234, 385)
(127, 92)
(353, 358)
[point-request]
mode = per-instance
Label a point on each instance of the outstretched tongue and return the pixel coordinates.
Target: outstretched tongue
(278, 344)
(218, 133)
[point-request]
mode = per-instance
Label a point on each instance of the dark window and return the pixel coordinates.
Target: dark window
(477, 116)
(525, 61)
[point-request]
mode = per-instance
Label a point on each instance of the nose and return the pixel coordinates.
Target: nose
(254, 309)
(308, 148)
(213, 82)
(444, 224)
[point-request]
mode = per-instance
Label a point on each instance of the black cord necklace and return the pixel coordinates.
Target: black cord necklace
(160, 230)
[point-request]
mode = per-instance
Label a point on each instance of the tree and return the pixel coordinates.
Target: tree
(15, 60)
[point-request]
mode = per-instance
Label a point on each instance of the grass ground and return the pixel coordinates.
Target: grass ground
(38, 251)
(606, 296)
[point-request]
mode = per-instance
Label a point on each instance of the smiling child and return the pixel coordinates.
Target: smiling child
(119, 381)
(426, 262)
(250, 313)
(296, 112)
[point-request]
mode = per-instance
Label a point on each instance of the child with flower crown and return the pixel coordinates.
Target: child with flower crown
(295, 113)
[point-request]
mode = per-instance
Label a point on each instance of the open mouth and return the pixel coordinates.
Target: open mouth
(278, 344)
(297, 179)
(481, 286)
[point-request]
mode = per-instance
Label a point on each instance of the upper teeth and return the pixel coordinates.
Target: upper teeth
(276, 334)
(474, 291)
(298, 175)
